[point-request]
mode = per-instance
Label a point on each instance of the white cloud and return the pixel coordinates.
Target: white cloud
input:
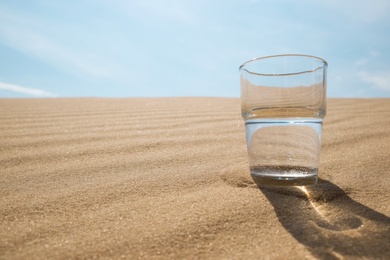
(378, 80)
(27, 91)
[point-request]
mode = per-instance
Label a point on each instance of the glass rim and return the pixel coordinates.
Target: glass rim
(283, 55)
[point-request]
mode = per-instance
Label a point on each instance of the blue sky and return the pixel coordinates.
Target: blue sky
(152, 48)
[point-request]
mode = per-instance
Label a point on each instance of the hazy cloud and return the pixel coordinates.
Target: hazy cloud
(378, 80)
(150, 48)
(37, 40)
(361, 10)
(27, 91)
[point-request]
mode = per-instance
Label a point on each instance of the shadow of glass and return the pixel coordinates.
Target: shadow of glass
(329, 223)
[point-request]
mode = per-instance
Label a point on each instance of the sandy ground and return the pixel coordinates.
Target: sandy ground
(168, 178)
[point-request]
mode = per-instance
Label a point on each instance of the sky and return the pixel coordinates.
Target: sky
(154, 48)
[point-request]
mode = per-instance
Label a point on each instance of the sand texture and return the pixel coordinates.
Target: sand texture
(168, 178)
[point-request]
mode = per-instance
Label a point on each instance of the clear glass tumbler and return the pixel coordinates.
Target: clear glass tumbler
(283, 103)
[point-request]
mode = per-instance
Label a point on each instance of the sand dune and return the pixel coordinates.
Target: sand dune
(169, 178)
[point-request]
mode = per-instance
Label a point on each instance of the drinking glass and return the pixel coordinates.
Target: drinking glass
(283, 103)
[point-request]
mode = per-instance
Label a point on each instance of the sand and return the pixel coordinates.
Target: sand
(168, 178)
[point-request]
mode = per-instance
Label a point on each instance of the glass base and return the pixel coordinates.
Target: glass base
(283, 175)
